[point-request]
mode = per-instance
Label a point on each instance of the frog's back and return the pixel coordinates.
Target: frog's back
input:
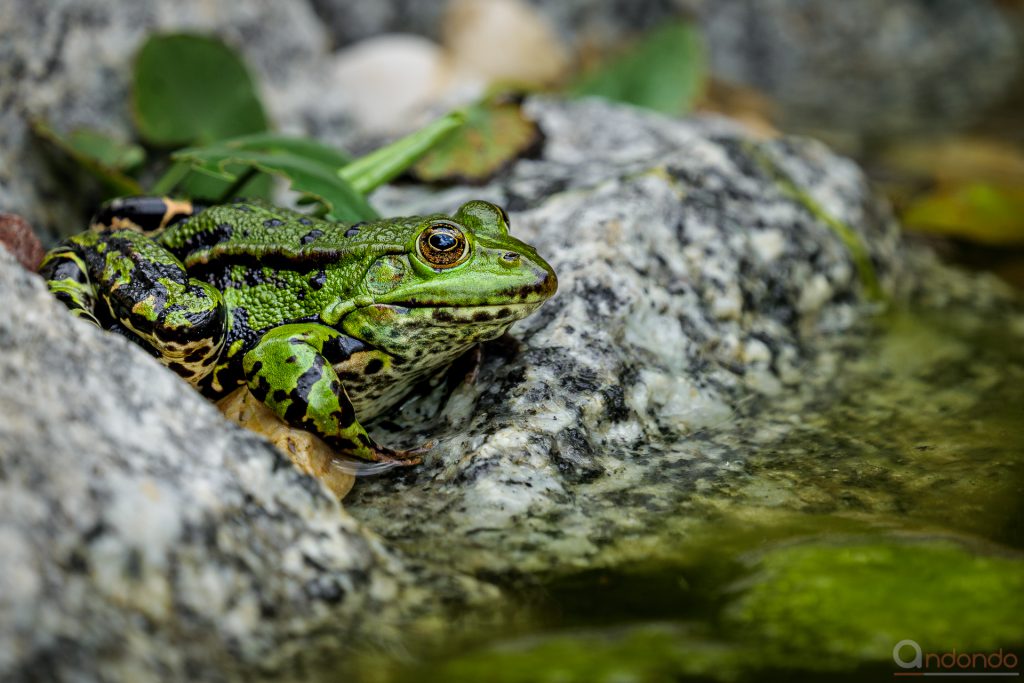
(252, 229)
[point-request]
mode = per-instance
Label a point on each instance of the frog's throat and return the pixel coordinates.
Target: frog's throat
(333, 314)
(480, 315)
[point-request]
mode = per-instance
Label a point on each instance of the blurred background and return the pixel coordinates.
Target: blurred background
(926, 94)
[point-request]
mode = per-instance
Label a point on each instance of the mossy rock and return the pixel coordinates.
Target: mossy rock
(801, 609)
(833, 606)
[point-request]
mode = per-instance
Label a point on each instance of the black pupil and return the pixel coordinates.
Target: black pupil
(442, 241)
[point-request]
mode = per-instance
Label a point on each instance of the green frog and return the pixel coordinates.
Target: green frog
(328, 324)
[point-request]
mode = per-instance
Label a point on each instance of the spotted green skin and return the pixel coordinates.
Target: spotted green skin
(326, 323)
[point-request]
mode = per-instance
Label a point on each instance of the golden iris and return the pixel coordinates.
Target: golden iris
(442, 245)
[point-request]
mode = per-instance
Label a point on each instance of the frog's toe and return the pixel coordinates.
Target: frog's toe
(404, 458)
(420, 450)
(362, 468)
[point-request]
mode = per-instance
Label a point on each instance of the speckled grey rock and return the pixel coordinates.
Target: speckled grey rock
(692, 290)
(143, 538)
(871, 67)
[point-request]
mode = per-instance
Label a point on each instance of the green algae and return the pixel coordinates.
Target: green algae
(649, 653)
(817, 607)
(833, 605)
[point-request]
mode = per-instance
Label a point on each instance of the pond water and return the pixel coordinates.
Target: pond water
(894, 511)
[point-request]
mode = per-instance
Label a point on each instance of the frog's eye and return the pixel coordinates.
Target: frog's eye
(483, 218)
(442, 245)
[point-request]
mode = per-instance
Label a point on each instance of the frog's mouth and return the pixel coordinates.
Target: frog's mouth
(485, 297)
(479, 314)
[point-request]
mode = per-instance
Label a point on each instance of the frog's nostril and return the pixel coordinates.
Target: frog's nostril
(510, 256)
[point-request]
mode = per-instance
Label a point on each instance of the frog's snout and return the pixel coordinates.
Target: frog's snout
(549, 283)
(544, 282)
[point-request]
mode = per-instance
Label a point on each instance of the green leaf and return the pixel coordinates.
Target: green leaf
(321, 174)
(108, 151)
(380, 166)
(212, 184)
(495, 134)
(242, 181)
(102, 156)
(205, 184)
(987, 213)
(299, 146)
(191, 89)
(172, 177)
(315, 181)
(665, 72)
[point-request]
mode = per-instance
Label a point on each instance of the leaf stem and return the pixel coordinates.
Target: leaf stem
(239, 182)
(369, 172)
(170, 179)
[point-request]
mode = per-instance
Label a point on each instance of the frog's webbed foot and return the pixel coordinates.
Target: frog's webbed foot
(387, 459)
(403, 458)
(287, 371)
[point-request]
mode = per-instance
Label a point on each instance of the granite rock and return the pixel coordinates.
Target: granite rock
(600, 22)
(693, 293)
(144, 538)
(350, 22)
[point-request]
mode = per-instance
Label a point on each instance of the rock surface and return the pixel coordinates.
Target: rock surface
(601, 22)
(143, 538)
(691, 288)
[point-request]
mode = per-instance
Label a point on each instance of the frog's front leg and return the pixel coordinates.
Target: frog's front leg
(129, 282)
(289, 372)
